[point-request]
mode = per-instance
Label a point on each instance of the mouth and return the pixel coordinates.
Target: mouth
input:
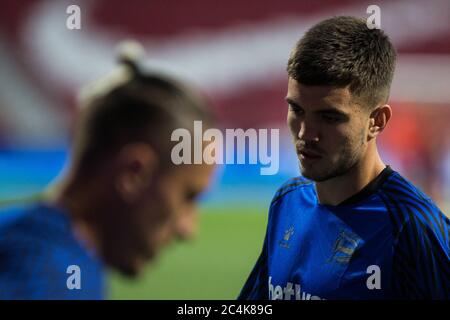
(307, 155)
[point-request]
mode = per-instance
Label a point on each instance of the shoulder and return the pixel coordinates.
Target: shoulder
(29, 232)
(11, 214)
(31, 221)
(35, 235)
(421, 244)
(36, 249)
(15, 221)
(297, 184)
(408, 203)
(417, 220)
(397, 186)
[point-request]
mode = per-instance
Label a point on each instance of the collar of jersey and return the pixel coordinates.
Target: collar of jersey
(371, 188)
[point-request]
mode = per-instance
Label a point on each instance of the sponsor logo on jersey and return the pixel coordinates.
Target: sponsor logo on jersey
(290, 292)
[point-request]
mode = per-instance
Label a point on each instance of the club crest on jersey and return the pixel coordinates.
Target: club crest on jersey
(286, 237)
(344, 247)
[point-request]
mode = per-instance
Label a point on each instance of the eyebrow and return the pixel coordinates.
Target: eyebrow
(330, 110)
(292, 102)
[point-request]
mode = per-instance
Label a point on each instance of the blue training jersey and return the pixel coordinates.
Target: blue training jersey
(40, 258)
(389, 241)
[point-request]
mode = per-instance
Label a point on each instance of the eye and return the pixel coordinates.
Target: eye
(330, 118)
(296, 109)
(191, 195)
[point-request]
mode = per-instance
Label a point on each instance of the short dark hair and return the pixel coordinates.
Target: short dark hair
(147, 107)
(343, 51)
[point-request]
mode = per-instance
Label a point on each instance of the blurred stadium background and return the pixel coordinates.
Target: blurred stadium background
(236, 52)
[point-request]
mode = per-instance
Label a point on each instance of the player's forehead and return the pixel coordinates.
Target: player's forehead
(316, 98)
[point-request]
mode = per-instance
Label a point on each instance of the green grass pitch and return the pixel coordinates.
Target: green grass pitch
(214, 265)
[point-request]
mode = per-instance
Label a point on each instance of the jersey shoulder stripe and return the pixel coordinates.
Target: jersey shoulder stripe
(411, 203)
(421, 264)
(290, 185)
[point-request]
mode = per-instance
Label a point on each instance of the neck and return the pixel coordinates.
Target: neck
(76, 201)
(338, 189)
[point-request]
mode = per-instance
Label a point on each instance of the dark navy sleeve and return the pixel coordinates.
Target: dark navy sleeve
(421, 264)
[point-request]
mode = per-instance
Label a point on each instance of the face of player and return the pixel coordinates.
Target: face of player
(177, 197)
(329, 130)
(167, 210)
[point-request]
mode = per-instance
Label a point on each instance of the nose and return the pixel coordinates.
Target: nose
(307, 131)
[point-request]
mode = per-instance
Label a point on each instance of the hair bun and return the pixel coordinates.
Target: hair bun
(130, 52)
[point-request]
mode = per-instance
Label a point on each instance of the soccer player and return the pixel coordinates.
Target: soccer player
(350, 227)
(122, 198)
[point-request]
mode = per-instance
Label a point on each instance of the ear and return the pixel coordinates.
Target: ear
(378, 120)
(136, 165)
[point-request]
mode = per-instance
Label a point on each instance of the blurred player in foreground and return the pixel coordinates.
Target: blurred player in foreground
(122, 198)
(350, 227)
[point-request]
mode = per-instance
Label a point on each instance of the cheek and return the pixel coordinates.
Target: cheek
(351, 139)
(334, 135)
(358, 135)
(157, 227)
(172, 203)
(337, 141)
(159, 208)
(173, 200)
